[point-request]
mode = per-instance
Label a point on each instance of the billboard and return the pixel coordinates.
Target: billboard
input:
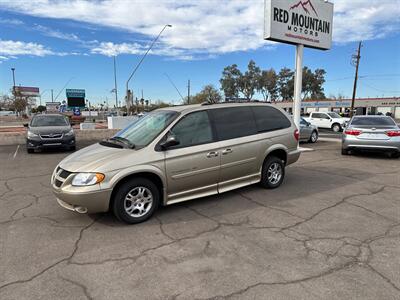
(27, 91)
(75, 93)
(306, 22)
(76, 102)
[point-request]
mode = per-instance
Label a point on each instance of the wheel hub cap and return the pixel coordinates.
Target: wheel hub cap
(274, 173)
(138, 202)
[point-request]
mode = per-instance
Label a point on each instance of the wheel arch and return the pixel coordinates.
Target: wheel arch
(153, 177)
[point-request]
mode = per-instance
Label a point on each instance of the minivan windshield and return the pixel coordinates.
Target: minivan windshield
(46, 120)
(141, 132)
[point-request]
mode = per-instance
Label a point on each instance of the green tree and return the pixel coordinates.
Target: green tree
(317, 90)
(230, 81)
(312, 84)
(286, 84)
(41, 108)
(208, 94)
(249, 81)
(267, 84)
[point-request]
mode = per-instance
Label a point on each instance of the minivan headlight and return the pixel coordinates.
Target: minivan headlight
(31, 134)
(69, 133)
(85, 179)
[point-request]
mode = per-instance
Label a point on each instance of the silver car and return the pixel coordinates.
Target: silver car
(373, 133)
(177, 154)
(308, 132)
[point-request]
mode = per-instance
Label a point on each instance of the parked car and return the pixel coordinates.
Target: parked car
(329, 120)
(373, 133)
(308, 132)
(49, 130)
(176, 154)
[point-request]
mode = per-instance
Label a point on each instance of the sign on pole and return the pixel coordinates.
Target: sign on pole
(75, 97)
(304, 23)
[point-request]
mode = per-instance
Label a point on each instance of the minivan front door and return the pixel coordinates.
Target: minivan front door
(192, 167)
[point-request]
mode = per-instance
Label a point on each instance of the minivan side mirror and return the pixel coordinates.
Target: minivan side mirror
(170, 141)
(26, 125)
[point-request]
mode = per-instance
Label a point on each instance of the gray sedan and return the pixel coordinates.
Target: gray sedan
(373, 133)
(308, 132)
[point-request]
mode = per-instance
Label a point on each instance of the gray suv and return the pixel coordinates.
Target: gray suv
(49, 131)
(177, 154)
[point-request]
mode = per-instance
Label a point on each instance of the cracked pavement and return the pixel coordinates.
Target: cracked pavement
(331, 231)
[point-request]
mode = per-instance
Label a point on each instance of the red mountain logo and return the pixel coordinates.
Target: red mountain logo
(306, 5)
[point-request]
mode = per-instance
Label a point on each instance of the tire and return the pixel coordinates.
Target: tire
(138, 190)
(72, 148)
(29, 150)
(273, 172)
(336, 127)
(345, 152)
(313, 137)
(394, 154)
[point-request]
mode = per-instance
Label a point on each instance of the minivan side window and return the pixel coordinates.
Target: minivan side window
(269, 119)
(193, 129)
(233, 122)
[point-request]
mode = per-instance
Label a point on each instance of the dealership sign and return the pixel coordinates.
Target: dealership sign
(27, 91)
(306, 22)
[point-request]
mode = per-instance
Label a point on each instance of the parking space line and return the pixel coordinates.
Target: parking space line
(16, 151)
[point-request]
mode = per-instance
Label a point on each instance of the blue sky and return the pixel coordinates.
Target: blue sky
(50, 42)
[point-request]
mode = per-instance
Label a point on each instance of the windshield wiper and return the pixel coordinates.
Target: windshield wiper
(122, 140)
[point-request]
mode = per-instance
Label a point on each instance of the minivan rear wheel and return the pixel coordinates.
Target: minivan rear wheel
(273, 172)
(136, 200)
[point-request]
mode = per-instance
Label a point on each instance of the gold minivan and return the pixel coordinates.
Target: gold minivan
(176, 154)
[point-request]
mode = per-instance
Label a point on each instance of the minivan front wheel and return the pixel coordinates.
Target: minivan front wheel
(136, 201)
(273, 172)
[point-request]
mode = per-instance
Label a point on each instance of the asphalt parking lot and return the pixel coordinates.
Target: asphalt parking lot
(331, 231)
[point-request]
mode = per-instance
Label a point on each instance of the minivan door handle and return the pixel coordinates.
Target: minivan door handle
(227, 151)
(212, 154)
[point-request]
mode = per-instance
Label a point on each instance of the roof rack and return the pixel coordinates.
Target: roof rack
(233, 101)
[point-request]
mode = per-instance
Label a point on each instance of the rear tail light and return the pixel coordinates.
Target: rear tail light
(296, 134)
(393, 133)
(353, 132)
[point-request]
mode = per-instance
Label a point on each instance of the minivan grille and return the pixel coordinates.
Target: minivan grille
(60, 176)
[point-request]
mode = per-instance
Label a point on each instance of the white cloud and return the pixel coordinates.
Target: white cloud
(14, 22)
(56, 33)
(15, 48)
(204, 27)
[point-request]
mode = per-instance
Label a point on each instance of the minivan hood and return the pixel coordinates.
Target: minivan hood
(50, 129)
(94, 158)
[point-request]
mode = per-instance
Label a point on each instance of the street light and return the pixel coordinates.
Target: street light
(140, 62)
(13, 74)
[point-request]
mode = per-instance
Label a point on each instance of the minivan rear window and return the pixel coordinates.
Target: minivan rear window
(233, 122)
(269, 119)
(373, 121)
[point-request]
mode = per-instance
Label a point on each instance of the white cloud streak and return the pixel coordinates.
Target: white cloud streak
(15, 48)
(202, 27)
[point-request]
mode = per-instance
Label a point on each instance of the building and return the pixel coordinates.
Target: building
(372, 106)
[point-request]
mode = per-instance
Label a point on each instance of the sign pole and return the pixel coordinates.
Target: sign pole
(298, 82)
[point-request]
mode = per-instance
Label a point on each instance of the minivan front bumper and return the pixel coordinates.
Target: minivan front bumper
(83, 199)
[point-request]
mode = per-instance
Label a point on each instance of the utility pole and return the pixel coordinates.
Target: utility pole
(356, 62)
(52, 99)
(188, 101)
(115, 84)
